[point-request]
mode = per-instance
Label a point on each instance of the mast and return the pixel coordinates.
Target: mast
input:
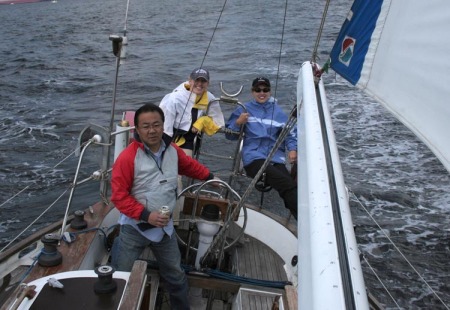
(119, 45)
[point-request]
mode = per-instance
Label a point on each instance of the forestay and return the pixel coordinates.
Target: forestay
(397, 52)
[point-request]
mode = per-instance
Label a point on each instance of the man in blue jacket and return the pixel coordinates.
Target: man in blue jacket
(263, 122)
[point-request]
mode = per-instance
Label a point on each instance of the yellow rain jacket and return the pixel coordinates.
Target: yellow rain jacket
(206, 125)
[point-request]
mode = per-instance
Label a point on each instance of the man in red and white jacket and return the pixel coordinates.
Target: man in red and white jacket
(144, 178)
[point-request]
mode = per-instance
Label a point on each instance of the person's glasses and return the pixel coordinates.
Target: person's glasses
(148, 127)
(264, 90)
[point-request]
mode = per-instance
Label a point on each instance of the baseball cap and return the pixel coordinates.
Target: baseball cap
(261, 80)
(200, 73)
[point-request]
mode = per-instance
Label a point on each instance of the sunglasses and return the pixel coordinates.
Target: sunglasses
(264, 90)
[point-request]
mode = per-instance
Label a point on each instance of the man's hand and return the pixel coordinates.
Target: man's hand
(215, 184)
(157, 219)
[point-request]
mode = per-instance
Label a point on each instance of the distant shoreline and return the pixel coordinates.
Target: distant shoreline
(20, 1)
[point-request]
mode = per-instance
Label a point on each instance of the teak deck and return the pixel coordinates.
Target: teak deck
(252, 259)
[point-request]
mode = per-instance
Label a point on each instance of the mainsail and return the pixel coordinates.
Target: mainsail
(397, 51)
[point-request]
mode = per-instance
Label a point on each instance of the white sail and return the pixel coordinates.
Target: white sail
(397, 51)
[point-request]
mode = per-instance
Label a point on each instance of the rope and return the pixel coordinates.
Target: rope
(319, 34)
(398, 250)
(226, 276)
(35, 260)
(73, 235)
(235, 278)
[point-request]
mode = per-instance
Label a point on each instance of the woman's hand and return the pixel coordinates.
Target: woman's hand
(292, 156)
(242, 119)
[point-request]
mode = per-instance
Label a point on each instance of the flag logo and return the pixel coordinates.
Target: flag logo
(347, 49)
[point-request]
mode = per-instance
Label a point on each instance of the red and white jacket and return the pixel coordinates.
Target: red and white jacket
(140, 185)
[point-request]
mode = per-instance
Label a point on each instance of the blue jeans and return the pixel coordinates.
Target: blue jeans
(129, 245)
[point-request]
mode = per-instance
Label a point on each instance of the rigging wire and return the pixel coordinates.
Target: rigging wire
(397, 249)
(381, 282)
(214, 32)
(281, 48)
(279, 59)
(201, 65)
(319, 34)
(48, 170)
(285, 131)
(314, 57)
(35, 220)
(49, 207)
(126, 18)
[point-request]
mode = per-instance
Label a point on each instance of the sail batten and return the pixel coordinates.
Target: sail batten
(401, 61)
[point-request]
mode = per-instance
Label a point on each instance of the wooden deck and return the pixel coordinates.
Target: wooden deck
(251, 259)
(255, 260)
(69, 252)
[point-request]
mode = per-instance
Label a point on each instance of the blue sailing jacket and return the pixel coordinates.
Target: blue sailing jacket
(262, 129)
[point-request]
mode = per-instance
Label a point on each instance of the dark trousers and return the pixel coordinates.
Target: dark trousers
(279, 178)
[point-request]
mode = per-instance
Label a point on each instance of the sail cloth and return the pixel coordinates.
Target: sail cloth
(397, 51)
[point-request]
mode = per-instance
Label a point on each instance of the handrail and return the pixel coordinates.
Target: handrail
(95, 138)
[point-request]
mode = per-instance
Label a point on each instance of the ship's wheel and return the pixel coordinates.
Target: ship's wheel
(217, 193)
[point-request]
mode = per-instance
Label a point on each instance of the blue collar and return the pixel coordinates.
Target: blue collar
(158, 154)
